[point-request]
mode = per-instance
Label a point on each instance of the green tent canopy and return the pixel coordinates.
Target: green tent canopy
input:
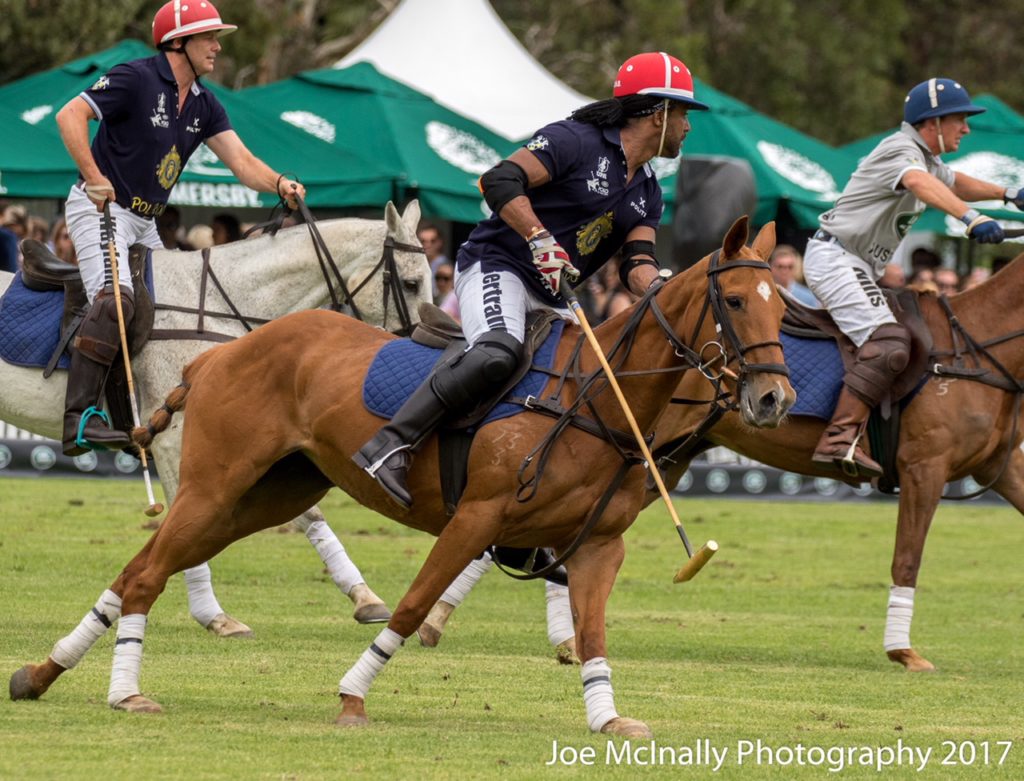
(789, 167)
(993, 151)
(39, 167)
(440, 153)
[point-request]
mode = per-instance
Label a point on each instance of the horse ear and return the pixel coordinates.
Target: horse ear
(393, 220)
(411, 216)
(765, 241)
(735, 238)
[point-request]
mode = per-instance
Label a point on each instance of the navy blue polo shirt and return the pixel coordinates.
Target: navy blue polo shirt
(587, 206)
(143, 143)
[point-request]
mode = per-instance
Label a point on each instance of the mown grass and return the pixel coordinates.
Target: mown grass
(779, 639)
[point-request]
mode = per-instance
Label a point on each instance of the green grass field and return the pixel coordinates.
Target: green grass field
(779, 640)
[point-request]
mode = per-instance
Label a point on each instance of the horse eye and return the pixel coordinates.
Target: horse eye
(411, 285)
(734, 302)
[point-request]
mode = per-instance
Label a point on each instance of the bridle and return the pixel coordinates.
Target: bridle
(342, 299)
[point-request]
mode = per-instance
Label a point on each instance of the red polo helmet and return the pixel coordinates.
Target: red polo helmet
(179, 18)
(659, 75)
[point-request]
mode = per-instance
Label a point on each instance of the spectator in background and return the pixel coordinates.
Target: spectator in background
(226, 228)
(168, 225)
(8, 246)
(947, 281)
(975, 278)
(429, 236)
(608, 293)
(922, 279)
(60, 242)
(200, 237)
(893, 277)
(38, 229)
(922, 257)
(444, 282)
(788, 272)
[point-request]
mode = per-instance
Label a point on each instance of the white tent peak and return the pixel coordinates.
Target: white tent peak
(461, 54)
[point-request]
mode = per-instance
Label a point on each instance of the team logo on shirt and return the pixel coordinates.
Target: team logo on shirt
(904, 222)
(194, 127)
(538, 142)
(598, 181)
(590, 235)
(159, 118)
(169, 169)
(640, 206)
(101, 83)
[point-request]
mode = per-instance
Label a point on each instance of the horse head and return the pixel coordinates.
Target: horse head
(748, 311)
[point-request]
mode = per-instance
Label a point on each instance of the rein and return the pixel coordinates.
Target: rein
(332, 277)
(589, 388)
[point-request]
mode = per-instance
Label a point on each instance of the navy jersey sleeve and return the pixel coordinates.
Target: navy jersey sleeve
(114, 93)
(218, 121)
(557, 146)
(655, 206)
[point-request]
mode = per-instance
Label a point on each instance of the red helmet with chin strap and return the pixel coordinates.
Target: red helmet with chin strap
(180, 18)
(659, 75)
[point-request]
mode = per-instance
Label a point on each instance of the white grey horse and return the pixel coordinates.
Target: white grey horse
(264, 278)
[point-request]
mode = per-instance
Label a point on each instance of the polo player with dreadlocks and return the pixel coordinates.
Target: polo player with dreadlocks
(153, 115)
(579, 191)
(858, 236)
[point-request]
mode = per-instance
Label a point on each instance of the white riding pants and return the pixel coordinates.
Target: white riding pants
(89, 234)
(846, 286)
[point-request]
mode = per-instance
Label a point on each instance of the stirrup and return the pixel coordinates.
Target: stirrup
(372, 468)
(90, 412)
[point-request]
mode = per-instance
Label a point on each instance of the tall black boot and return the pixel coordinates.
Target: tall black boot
(454, 388)
(95, 348)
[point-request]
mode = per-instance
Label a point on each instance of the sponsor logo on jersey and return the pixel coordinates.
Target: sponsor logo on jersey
(590, 235)
(194, 127)
(101, 84)
(875, 297)
(169, 169)
(492, 302)
(538, 142)
(598, 181)
(159, 118)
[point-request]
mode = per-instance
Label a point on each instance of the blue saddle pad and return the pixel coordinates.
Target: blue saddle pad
(816, 374)
(402, 365)
(30, 322)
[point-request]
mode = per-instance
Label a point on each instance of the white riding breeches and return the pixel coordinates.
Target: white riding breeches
(846, 286)
(88, 231)
(496, 301)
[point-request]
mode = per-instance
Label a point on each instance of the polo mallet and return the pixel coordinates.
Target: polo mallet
(1013, 233)
(155, 508)
(696, 560)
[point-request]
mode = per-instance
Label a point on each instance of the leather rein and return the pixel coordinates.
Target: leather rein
(332, 277)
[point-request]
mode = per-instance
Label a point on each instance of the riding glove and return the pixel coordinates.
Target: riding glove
(551, 261)
(982, 229)
(1015, 195)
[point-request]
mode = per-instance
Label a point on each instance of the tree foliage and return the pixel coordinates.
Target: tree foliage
(837, 69)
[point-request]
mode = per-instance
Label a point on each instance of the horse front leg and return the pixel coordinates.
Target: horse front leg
(473, 528)
(592, 570)
(921, 486)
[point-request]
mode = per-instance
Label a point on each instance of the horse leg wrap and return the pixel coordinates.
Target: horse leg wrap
(341, 568)
(597, 693)
(898, 618)
(359, 678)
(560, 626)
(69, 650)
(879, 362)
(202, 602)
(466, 580)
(124, 674)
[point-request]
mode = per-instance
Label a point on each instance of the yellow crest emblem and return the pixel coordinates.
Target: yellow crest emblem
(590, 235)
(169, 169)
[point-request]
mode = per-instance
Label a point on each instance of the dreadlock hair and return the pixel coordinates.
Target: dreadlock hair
(616, 112)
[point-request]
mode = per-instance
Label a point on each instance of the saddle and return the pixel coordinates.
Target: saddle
(44, 271)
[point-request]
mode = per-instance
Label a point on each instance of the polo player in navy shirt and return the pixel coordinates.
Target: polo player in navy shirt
(153, 115)
(578, 192)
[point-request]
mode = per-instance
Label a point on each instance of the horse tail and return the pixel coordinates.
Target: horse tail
(161, 419)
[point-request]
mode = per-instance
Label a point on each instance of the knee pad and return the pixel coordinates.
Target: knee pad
(879, 362)
(478, 371)
(99, 336)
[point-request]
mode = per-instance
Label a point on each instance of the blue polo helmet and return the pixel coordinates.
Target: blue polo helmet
(937, 98)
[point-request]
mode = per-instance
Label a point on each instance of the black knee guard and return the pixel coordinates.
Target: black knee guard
(879, 362)
(482, 369)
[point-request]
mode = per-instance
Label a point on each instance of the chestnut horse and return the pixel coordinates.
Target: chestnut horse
(242, 471)
(954, 427)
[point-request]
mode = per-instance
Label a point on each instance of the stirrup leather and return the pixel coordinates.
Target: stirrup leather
(90, 412)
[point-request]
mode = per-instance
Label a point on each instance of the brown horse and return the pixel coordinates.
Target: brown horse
(953, 428)
(275, 417)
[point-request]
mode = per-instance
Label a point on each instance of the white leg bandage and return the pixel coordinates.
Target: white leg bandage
(69, 650)
(360, 677)
(597, 693)
(341, 568)
(124, 675)
(469, 577)
(202, 603)
(898, 618)
(560, 626)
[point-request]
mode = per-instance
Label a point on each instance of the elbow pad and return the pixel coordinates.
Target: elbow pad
(630, 251)
(502, 183)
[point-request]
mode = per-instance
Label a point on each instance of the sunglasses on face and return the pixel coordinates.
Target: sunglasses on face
(443, 277)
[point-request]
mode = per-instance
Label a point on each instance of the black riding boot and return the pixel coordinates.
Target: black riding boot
(530, 560)
(95, 348)
(453, 389)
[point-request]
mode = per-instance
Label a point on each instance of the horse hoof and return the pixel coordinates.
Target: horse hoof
(627, 728)
(912, 661)
(138, 704)
(224, 625)
(21, 687)
(370, 609)
(565, 652)
(429, 635)
(433, 625)
(353, 712)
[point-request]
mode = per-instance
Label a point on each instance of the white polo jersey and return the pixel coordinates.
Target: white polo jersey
(875, 211)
